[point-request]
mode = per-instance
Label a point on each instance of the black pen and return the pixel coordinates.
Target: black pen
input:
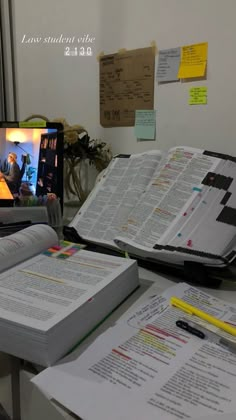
(184, 325)
(218, 337)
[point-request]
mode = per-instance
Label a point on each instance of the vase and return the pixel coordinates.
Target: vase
(79, 179)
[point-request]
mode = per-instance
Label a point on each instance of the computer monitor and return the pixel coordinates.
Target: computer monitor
(39, 150)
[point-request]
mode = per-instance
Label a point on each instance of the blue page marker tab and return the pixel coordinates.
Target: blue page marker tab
(197, 189)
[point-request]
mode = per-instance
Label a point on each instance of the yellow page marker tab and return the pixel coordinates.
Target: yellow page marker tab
(32, 124)
(198, 96)
(193, 61)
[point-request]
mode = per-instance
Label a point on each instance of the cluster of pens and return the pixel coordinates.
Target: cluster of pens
(33, 200)
(51, 202)
(204, 325)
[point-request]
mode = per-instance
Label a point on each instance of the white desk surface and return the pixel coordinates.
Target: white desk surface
(35, 405)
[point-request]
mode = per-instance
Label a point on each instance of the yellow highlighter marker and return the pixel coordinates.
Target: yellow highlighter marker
(183, 306)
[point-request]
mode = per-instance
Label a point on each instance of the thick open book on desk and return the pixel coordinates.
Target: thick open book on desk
(169, 207)
(53, 294)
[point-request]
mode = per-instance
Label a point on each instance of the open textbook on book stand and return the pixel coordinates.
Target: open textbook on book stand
(173, 208)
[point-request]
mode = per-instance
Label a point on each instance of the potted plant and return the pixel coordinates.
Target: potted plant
(27, 187)
(80, 153)
(30, 171)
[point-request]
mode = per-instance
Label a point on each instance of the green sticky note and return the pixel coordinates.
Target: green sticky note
(32, 124)
(198, 96)
(198, 101)
(145, 124)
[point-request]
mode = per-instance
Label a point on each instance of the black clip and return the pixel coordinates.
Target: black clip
(71, 235)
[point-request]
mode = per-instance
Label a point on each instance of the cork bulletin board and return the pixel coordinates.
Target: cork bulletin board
(126, 84)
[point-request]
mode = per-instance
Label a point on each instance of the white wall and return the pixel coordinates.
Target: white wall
(48, 82)
(54, 85)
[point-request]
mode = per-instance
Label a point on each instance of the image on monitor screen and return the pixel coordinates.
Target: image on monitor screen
(47, 164)
(36, 155)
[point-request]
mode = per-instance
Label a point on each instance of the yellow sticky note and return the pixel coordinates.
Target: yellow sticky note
(193, 61)
(32, 124)
(198, 95)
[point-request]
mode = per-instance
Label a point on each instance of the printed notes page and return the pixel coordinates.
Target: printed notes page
(147, 364)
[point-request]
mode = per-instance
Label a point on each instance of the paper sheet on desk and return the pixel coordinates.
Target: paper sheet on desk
(229, 416)
(146, 364)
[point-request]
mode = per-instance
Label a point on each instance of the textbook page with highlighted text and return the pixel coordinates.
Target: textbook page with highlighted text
(55, 293)
(172, 207)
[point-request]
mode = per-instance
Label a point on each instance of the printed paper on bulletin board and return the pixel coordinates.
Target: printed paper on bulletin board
(126, 84)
